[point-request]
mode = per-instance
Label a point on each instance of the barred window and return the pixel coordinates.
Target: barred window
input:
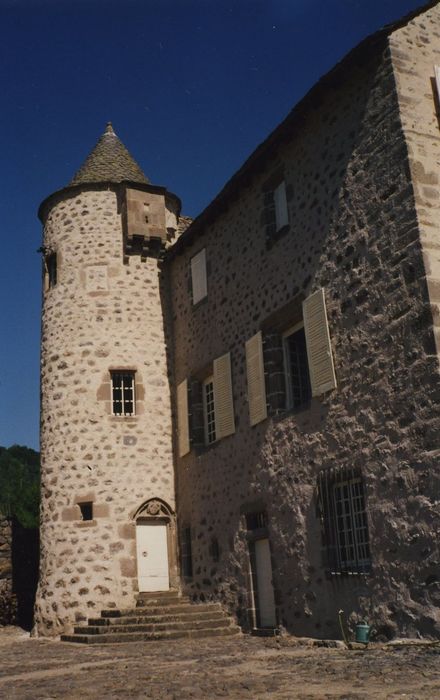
(344, 521)
(209, 410)
(123, 395)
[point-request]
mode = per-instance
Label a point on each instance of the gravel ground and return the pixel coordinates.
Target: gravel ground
(244, 667)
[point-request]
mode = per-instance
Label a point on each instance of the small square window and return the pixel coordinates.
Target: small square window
(256, 521)
(296, 367)
(123, 393)
(209, 410)
(86, 510)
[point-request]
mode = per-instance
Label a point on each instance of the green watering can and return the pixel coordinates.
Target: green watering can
(363, 631)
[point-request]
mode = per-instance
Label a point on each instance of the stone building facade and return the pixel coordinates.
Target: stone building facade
(282, 354)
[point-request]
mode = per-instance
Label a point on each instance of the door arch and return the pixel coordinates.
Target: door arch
(156, 546)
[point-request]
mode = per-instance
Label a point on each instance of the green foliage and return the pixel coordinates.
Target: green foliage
(20, 484)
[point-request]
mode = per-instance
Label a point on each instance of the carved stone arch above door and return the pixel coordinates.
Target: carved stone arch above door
(154, 508)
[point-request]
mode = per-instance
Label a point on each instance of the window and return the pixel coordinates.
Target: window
(86, 510)
(296, 368)
(209, 410)
(186, 553)
(205, 407)
(123, 396)
(256, 521)
(199, 283)
(344, 520)
(51, 269)
(285, 368)
(280, 202)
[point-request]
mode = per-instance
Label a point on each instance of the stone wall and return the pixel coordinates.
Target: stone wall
(102, 314)
(415, 50)
(354, 231)
(8, 604)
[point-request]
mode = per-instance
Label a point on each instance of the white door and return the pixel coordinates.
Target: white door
(266, 599)
(152, 556)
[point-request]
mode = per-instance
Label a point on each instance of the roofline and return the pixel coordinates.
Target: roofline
(257, 158)
(72, 190)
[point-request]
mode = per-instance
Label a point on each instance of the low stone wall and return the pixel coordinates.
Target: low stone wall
(8, 604)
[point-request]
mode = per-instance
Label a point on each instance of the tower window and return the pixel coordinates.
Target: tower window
(146, 212)
(51, 269)
(123, 394)
(86, 510)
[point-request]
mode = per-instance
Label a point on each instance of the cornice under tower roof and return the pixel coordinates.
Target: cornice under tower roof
(109, 161)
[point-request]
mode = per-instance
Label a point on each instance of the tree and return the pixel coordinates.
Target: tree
(20, 484)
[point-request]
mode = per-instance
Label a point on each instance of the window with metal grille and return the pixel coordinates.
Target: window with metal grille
(209, 410)
(186, 553)
(344, 521)
(256, 521)
(298, 390)
(123, 395)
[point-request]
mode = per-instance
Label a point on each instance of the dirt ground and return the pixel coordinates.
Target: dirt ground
(243, 667)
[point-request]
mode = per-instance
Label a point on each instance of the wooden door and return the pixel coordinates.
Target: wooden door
(152, 556)
(265, 594)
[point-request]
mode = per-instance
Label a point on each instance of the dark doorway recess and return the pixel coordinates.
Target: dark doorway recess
(25, 561)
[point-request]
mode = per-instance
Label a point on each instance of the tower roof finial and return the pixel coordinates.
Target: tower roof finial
(109, 128)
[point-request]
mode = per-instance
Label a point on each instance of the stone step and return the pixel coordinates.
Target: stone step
(121, 638)
(159, 609)
(158, 627)
(148, 601)
(152, 619)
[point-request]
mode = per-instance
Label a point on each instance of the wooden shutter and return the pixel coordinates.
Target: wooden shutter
(223, 401)
(182, 419)
(198, 276)
(255, 379)
(280, 199)
(319, 352)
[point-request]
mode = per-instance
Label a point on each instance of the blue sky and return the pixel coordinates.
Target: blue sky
(191, 86)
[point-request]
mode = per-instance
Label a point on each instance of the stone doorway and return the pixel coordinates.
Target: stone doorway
(156, 547)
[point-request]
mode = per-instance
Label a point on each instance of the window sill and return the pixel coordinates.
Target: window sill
(285, 412)
(200, 303)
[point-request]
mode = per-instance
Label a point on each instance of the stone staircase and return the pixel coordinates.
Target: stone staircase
(164, 615)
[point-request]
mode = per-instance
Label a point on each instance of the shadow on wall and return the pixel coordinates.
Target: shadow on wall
(25, 561)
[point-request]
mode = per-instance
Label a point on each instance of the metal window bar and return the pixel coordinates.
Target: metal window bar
(209, 411)
(123, 396)
(344, 523)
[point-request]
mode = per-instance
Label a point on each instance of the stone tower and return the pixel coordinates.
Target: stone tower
(106, 443)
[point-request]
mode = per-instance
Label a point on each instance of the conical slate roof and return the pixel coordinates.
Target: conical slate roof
(109, 162)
